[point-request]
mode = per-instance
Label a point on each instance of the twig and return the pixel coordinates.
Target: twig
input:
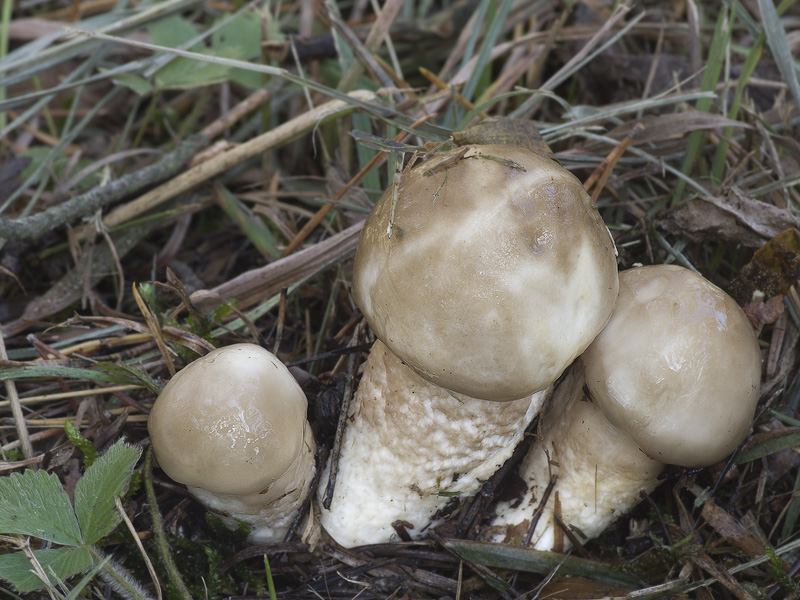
(223, 162)
(37, 225)
(344, 416)
(251, 286)
(605, 168)
(243, 108)
(539, 510)
(16, 408)
(442, 85)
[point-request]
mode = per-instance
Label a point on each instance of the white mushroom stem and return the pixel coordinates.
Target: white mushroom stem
(409, 447)
(602, 473)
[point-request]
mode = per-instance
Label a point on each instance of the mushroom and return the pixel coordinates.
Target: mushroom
(489, 273)
(483, 275)
(672, 379)
(232, 426)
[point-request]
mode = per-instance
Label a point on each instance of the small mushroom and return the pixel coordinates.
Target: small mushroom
(672, 379)
(483, 275)
(232, 426)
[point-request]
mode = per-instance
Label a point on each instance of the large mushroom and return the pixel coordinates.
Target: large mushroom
(672, 379)
(483, 275)
(232, 426)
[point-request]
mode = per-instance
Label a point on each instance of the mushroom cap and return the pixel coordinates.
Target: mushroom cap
(496, 274)
(230, 422)
(677, 367)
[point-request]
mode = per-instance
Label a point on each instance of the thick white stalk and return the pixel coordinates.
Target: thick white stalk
(601, 473)
(410, 446)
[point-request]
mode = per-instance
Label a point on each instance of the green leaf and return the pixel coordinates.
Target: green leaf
(244, 33)
(538, 561)
(186, 73)
(34, 503)
(172, 32)
(57, 564)
(95, 491)
(140, 85)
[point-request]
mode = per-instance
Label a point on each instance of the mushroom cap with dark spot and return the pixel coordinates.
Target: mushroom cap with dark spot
(495, 273)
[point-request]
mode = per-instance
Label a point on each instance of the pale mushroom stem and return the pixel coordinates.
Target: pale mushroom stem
(601, 472)
(271, 512)
(410, 447)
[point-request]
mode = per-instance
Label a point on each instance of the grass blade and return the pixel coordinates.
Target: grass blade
(779, 46)
(538, 561)
(714, 63)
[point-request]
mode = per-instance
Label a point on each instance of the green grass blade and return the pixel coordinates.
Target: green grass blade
(489, 40)
(750, 63)
(251, 225)
(792, 513)
(779, 46)
(769, 446)
(714, 64)
(538, 561)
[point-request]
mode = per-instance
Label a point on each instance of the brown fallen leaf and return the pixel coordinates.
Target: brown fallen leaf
(732, 530)
(774, 268)
(731, 217)
(662, 128)
(763, 313)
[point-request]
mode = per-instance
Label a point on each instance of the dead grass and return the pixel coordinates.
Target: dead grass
(218, 192)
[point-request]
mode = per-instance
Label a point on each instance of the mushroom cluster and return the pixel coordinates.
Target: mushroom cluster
(672, 379)
(486, 275)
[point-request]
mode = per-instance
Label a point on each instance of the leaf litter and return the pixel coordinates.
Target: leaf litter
(683, 115)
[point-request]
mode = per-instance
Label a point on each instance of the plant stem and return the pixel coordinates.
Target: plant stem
(116, 576)
(158, 530)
